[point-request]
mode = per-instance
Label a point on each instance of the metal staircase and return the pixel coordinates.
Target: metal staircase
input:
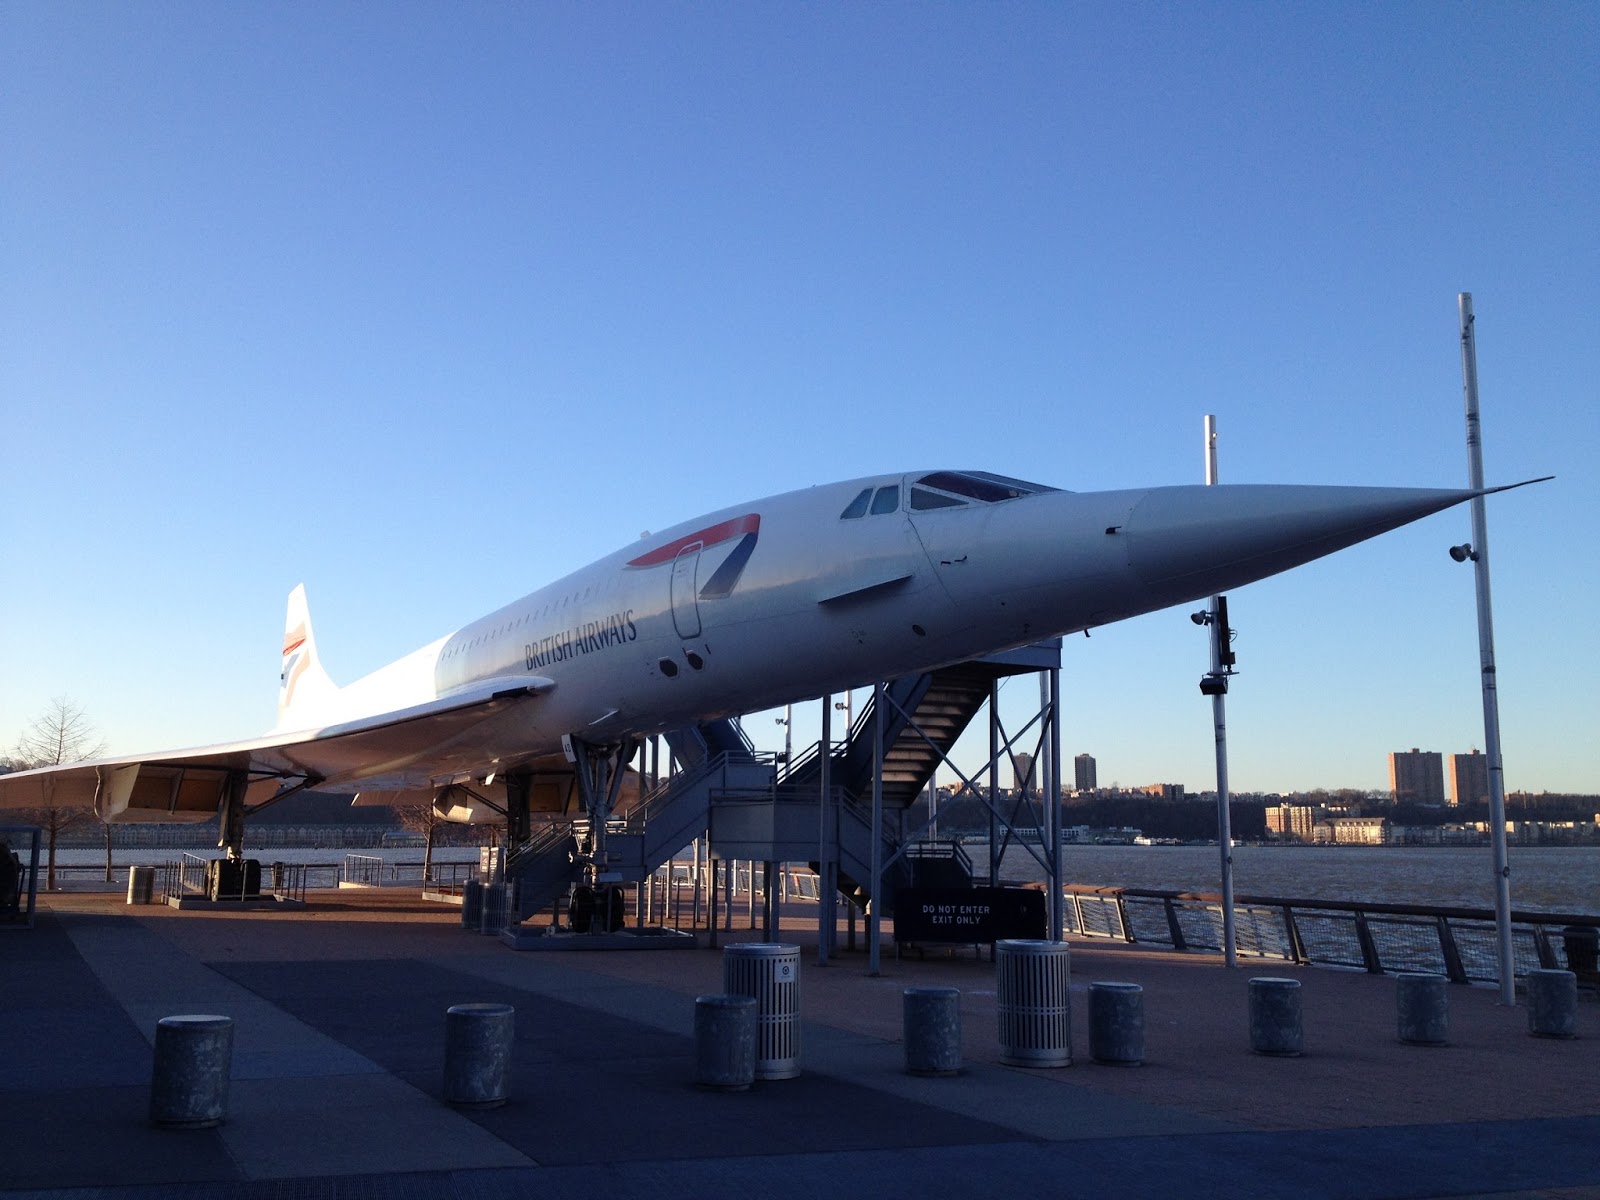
(721, 762)
(941, 705)
(545, 866)
(752, 811)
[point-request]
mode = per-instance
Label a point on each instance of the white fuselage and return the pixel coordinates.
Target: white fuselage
(778, 600)
(794, 596)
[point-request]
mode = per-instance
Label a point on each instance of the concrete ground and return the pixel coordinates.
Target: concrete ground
(339, 1046)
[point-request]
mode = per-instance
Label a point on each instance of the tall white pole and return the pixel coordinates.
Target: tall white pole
(1491, 697)
(875, 904)
(1219, 723)
(1058, 900)
(826, 878)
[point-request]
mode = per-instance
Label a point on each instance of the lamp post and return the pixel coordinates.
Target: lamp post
(787, 721)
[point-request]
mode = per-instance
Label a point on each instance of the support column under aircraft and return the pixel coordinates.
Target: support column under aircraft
(519, 823)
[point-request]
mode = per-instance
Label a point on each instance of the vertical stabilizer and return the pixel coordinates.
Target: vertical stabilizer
(304, 689)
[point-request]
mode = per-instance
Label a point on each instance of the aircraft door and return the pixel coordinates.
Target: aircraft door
(686, 591)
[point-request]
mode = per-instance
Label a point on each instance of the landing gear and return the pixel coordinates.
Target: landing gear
(602, 909)
(230, 815)
(599, 904)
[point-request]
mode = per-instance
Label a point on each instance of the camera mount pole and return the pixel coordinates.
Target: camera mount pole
(1219, 720)
(1491, 696)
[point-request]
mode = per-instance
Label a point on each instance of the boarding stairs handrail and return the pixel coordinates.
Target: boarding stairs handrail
(941, 848)
(541, 843)
(667, 824)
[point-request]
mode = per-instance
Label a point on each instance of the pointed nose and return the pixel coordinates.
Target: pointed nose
(1188, 542)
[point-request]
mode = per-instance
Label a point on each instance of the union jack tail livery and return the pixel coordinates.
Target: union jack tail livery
(303, 686)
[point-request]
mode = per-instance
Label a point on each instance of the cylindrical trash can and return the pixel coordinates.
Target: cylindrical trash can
(725, 1042)
(1552, 1003)
(1116, 1023)
(141, 884)
(1422, 1008)
(1033, 999)
(471, 904)
(770, 972)
(495, 896)
(189, 1078)
(478, 1039)
(1275, 1026)
(932, 1018)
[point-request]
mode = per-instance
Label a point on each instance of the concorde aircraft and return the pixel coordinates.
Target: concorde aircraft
(755, 606)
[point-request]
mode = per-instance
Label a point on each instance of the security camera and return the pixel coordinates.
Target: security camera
(1463, 552)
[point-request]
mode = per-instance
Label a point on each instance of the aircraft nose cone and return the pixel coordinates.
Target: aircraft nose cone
(1195, 541)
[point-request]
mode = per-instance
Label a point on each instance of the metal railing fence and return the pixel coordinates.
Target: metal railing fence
(370, 871)
(1381, 938)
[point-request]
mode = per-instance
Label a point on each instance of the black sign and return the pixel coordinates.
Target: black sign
(968, 914)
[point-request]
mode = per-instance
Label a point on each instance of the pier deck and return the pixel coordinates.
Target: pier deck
(339, 1012)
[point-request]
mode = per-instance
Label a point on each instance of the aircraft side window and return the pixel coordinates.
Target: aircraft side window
(923, 499)
(858, 506)
(887, 500)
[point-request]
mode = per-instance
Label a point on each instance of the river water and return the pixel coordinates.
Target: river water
(1564, 879)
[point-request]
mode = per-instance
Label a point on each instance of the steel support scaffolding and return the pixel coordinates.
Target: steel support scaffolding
(1037, 809)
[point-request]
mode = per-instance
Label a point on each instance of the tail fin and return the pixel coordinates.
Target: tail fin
(304, 688)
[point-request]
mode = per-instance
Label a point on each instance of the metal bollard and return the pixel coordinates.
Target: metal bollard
(725, 1042)
(1033, 999)
(1275, 1025)
(770, 972)
(1552, 1003)
(189, 1079)
(1422, 1009)
(477, 1054)
(1116, 1024)
(932, 1017)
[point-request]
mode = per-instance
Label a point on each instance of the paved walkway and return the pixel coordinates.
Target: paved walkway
(339, 1014)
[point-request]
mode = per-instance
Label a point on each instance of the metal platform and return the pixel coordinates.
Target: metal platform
(648, 938)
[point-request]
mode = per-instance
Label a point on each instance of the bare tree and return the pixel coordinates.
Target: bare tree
(61, 734)
(423, 819)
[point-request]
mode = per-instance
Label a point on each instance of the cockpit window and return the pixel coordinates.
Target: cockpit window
(922, 499)
(1021, 487)
(976, 485)
(942, 489)
(858, 506)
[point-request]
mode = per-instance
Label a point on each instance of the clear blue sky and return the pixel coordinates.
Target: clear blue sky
(426, 305)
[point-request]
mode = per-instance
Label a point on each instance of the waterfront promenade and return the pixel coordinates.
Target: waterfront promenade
(339, 1013)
